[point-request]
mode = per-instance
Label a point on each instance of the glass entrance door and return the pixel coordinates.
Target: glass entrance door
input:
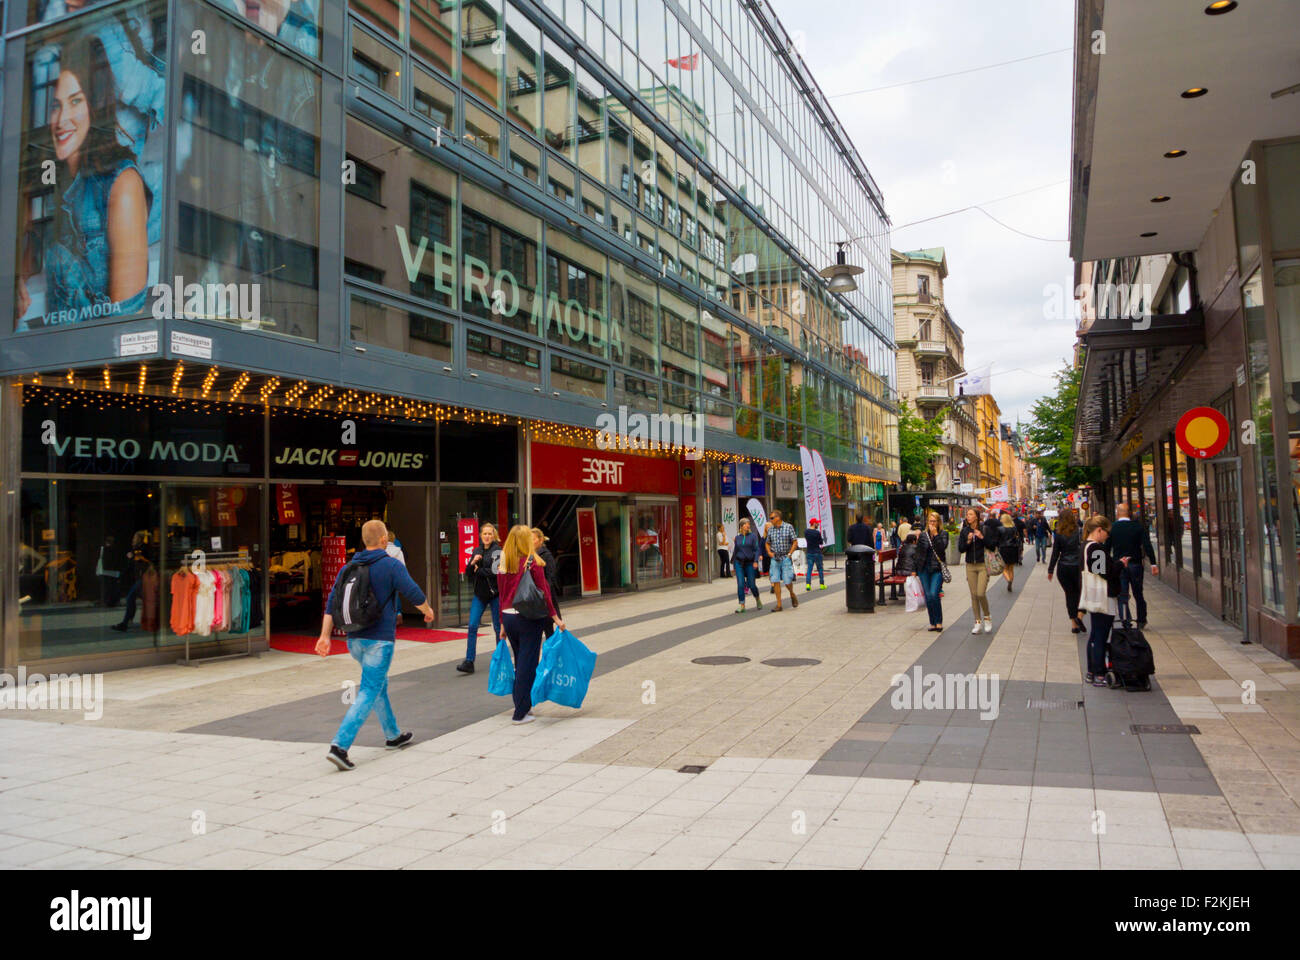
(497, 505)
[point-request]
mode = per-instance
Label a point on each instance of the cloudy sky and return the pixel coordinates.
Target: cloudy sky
(942, 145)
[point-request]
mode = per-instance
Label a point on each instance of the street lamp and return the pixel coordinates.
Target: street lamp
(841, 273)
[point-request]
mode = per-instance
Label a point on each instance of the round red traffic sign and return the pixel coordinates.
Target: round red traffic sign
(1202, 432)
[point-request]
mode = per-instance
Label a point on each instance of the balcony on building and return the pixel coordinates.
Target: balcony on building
(931, 348)
(932, 394)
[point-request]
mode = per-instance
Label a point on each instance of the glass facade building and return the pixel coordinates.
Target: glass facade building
(465, 227)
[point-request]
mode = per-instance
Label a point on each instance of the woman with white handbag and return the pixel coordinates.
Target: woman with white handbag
(1100, 590)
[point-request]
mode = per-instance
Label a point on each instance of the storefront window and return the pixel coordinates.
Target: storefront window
(1286, 290)
(417, 256)
(249, 201)
(89, 578)
(655, 543)
(1266, 495)
(214, 563)
(75, 262)
(1150, 506)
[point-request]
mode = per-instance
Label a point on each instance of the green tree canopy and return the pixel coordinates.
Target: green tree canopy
(1052, 433)
(919, 442)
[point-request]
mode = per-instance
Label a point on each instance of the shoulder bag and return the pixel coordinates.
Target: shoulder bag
(529, 600)
(943, 567)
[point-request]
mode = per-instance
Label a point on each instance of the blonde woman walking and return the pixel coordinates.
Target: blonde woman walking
(519, 560)
(1010, 549)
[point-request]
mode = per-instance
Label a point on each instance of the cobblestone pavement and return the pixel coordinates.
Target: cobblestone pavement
(805, 766)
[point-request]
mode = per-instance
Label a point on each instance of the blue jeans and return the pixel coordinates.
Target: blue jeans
(375, 657)
(932, 583)
(782, 570)
(476, 609)
(525, 638)
(815, 560)
(1041, 544)
(1099, 625)
(132, 596)
(1131, 576)
(745, 579)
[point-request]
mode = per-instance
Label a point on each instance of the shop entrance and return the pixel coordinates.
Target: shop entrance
(557, 515)
(306, 518)
(1227, 488)
(498, 505)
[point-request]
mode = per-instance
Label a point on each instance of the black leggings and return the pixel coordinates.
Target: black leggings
(1072, 583)
(724, 562)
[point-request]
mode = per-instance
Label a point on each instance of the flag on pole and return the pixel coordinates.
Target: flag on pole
(690, 62)
(977, 382)
(811, 503)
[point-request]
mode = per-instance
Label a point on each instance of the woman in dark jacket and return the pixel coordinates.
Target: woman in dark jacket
(1065, 562)
(971, 541)
(519, 560)
(931, 545)
(744, 554)
(552, 571)
(482, 571)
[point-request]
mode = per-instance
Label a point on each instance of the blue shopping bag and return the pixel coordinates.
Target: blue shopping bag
(501, 672)
(564, 671)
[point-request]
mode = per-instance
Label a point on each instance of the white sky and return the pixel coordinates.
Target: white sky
(951, 143)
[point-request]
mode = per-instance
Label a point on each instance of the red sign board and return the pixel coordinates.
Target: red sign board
(601, 471)
(690, 539)
(468, 538)
(1202, 432)
(333, 558)
(588, 554)
(286, 501)
(229, 500)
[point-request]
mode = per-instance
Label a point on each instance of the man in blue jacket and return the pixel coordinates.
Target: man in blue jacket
(744, 554)
(372, 647)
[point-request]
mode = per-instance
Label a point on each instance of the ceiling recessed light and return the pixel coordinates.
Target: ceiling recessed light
(1153, 233)
(1160, 199)
(1175, 154)
(1221, 6)
(1194, 92)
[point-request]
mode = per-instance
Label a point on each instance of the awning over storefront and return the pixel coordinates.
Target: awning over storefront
(1127, 363)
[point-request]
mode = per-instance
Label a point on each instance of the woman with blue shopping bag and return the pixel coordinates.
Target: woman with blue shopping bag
(526, 605)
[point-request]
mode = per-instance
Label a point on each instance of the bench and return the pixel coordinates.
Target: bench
(890, 579)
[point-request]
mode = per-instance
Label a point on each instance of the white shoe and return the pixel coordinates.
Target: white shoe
(978, 627)
(988, 625)
(528, 718)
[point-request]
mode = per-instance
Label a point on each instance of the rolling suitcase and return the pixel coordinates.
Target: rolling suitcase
(1131, 662)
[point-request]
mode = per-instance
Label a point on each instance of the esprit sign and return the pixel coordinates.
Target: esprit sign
(601, 473)
(557, 467)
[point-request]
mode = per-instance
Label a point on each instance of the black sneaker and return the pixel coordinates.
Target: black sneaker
(401, 740)
(1141, 624)
(340, 759)
(465, 666)
(122, 627)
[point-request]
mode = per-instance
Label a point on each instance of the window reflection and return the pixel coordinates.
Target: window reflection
(249, 203)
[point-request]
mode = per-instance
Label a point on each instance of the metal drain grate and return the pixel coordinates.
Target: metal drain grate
(1053, 704)
(791, 662)
(692, 768)
(1163, 728)
(719, 661)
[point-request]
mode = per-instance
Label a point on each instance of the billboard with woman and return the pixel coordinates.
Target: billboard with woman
(90, 180)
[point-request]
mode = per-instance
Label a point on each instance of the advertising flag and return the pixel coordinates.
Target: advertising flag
(757, 514)
(824, 499)
(811, 503)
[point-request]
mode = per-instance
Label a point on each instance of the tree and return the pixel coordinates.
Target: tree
(1052, 434)
(919, 442)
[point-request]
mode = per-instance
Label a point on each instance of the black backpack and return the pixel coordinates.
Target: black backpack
(355, 606)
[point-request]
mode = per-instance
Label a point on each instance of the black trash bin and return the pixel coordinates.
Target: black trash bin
(859, 578)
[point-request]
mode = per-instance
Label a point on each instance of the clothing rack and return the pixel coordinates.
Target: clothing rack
(202, 559)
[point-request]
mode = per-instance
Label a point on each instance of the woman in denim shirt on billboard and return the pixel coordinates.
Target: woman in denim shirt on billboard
(98, 261)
